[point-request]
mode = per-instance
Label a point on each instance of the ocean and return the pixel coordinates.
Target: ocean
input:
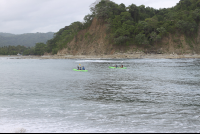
(151, 96)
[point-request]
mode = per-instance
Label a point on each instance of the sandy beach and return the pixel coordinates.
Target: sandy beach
(114, 56)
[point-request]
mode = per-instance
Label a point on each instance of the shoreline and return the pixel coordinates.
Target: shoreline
(114, 56)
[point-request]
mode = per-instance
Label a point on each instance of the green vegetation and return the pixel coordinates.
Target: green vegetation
(145, 25)
(6, 34)
(39, 49)
(67, 34)
(14, 50)
(134, 24)
(27, 40)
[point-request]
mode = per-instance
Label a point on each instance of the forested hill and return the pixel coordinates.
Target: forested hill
(140, 26)
(27, 40)
(6, 34)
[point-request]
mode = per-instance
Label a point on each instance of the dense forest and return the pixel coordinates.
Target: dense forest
(133, 24)
(38, 49)
(6, 34)
(27, 40)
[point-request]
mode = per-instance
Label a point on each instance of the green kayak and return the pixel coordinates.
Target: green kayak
(80, 70)
(118, 68)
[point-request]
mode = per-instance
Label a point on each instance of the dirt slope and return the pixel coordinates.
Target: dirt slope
(94, 41)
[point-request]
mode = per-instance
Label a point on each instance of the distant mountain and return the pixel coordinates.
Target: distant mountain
(6, 34)
(28, 39)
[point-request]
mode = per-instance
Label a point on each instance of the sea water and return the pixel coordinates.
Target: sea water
(151, 95)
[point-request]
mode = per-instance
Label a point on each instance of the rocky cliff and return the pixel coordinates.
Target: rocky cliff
(95, 41)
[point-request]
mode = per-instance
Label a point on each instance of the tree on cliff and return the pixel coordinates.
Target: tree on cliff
(134, 24)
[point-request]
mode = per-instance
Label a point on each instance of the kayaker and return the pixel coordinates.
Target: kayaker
(122, 66)
(77, 67)
(80, 68)
(83, 68)
(116, 66)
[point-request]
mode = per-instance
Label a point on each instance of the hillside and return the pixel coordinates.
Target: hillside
(91, 41)
(6, 34)
(28, 39)
(94, 41)
(113, 28)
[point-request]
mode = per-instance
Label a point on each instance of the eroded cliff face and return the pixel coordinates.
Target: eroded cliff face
(179, 44)
(95, 41)
(91, 41)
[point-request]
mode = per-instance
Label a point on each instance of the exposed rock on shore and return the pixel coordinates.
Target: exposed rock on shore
(114, 56)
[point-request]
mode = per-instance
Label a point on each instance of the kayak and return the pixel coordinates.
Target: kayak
(118, 68)
(80, 70)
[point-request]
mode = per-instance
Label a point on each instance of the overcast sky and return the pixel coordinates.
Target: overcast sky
(31, 16)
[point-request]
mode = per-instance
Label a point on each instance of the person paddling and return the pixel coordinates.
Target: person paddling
(79, 67)
(83, 68)
(122, 66)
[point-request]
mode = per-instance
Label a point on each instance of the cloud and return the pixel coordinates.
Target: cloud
(30, 16)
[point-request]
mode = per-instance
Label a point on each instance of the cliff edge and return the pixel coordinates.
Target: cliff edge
(94, 41)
